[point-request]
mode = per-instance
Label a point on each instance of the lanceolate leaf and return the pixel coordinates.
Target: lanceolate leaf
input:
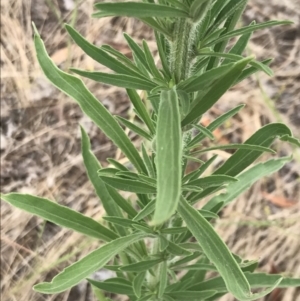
(118, 80)
(246, 180)
(200, 82)
(218, 253)
(137, 283)
(100, 55)
(138, 10)
(201, 105)
(256, 280)
(236, 146)
(215, 124)
(212, 181)
(60, 215)
(235, 57)
(147, 210)
(141, 266)
(75, 88)
(135, 128)
(114, 286)
(248, 29)
(129, 185)
(169, 153)
(92, 165)
(243, 158)
(141, 110)
(83, 268)
(190, 295)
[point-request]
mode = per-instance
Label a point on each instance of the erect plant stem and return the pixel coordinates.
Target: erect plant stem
(181, 49)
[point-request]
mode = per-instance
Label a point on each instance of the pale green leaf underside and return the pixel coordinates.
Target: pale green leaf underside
(83, 268)
(169, 155)
(218, 253)
(75, 88)
(246, 180)
(138, 10)
(60, 215)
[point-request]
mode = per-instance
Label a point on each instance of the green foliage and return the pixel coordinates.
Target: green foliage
(196, 72)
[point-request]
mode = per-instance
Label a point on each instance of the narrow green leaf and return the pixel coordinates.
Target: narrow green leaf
(215, 124)
(218, 253)
(138, 283)
(60, 215)
(244, 146)
(195, 267)
(91, 263)
(216, 91)
(124, 222)
(291, 140)
(198, 172)
(141, 109)
(190, 295)
(141, 266)
(146, 297)
(112, 286)
(210, 38)
(147, 210)
(241, 159)
(227, 11)
(205, 131)
(240, 46)
(163, 243)
(191, 188)
(235, 57)
(100, 55)
(184, 101)
(163, 278)
(137, 52)
(200, 82)
(92, 166)
(212, 181)
(208, 214)
(177, 250)
(107, 172)
(129, 185)
(174, 230)
(248, 29)
(185, 260)
(121, 202)
(148, 163)
(143, 228)
(118, 80)
(169, 152)
(122, 58)
(134, 128)
(150, 61)
(138, 10)
(246, 180)
(162, 54)
(117, 164)
(256, 280)
(190, 246)
(74, 87)
(251, 70)
(193, 159)
(148, 180)
(154, 24)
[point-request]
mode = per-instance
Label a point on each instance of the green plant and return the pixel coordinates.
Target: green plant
(197, 69)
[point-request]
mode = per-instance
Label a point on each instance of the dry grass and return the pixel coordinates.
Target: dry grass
(40, 143)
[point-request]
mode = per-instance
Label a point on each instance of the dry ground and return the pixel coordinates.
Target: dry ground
(40, 143)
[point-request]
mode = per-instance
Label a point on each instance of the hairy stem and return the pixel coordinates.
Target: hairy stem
(180, 57)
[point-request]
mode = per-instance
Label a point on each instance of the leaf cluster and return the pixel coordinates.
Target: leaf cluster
(196, 70)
